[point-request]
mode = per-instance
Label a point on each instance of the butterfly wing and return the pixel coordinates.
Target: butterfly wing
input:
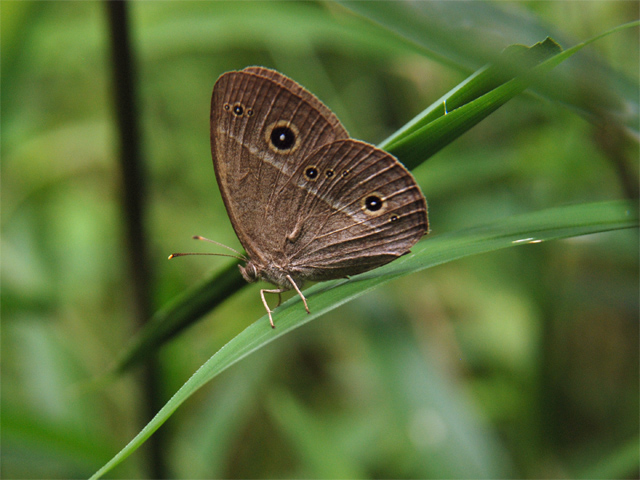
(356, 209)
(263, 126)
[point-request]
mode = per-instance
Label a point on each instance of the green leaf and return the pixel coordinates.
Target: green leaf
(449, 117)
(562, 222)
(458, 36)
(180, 313)
(514, 60)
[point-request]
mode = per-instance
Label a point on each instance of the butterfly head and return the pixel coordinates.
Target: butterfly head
(270, 272)
(249, 272)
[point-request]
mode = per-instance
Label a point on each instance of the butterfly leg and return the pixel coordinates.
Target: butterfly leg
(304, 300)
(266, 305)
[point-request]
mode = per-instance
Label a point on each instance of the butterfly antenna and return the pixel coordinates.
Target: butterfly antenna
(239, 255)
(198, 237)
(173, 255)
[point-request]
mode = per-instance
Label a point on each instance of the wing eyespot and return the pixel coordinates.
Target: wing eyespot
(373, 204)
(238, 109)
(282, 137)
(311, 173)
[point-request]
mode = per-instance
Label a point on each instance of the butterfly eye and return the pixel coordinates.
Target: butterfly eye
(311, 173)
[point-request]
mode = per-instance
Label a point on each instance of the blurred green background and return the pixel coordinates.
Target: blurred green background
(520, 363)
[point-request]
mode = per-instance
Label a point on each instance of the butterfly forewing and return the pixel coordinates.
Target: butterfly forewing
(260, 132)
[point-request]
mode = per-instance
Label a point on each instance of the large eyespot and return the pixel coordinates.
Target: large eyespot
(311, 173)
(237, 110)
(282, 137)
(373, 204)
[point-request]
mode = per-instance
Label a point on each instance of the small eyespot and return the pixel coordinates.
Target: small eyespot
(329, 173)
(283, 138)
(227, 106)
(249, 112)
(345, 173)
(373, 203)
(393, 218)
(237, 110)
(311, 173)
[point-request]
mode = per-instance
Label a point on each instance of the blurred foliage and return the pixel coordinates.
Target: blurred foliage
(526, 360)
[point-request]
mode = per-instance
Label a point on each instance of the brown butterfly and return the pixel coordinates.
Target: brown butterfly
(306, 201)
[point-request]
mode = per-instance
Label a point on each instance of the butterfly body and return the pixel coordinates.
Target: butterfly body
(306, 201)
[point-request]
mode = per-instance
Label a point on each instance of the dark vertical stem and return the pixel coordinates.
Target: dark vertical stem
(133, 204)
